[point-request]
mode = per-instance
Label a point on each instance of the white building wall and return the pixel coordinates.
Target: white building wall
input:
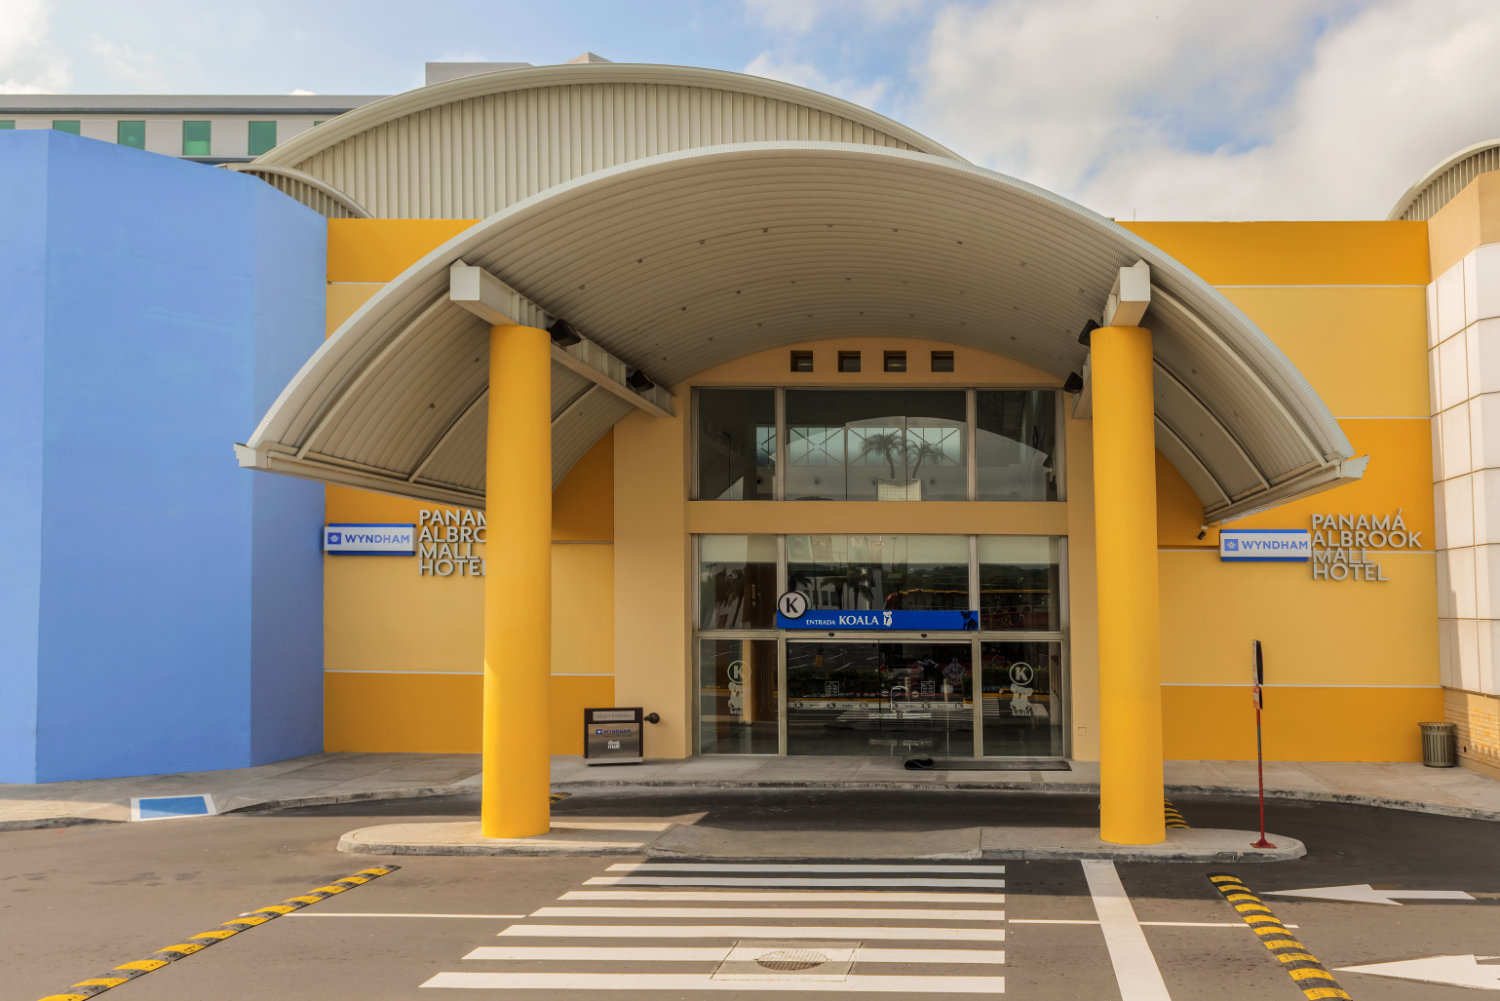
(1464, 365)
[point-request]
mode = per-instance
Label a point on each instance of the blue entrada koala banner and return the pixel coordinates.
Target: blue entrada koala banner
(1270, 545)
(876, 619)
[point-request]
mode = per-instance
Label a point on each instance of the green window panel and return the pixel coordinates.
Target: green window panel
(73, 127)
(195, 138)
(262, 137)
(131, 134)
(7, 123)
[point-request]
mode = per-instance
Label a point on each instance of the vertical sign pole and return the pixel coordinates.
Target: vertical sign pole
(1257, 694)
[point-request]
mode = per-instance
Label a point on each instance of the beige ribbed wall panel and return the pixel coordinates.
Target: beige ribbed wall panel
(474, 157)
(315, 194)
(576, 431)
(1423, 199)
(1187, 462)
(459, 461)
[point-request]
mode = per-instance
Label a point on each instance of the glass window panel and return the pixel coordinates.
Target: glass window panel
(132, 134)
(736, 444)
(7, 123)
(1022, 687)
(876, 445)
(1017, 444)
(852, 572)
(196, 137)
(73, 127)
(737, 582)
(881, 699)
(1019, 583)
(262, 137)
(737, 696)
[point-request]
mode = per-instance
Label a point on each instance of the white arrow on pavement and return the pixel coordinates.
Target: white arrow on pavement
(1460, 971)
(1364, 893)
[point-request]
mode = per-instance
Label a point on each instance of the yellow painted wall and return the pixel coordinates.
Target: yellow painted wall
(402, 652)
(1352, 666)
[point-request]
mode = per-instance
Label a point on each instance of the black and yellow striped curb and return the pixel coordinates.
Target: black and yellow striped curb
(1310, 976)
(126, 972)
(1174, 818)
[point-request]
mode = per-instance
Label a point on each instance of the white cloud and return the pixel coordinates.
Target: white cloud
(29, 62)
(863, 93)
(1181, 109)
(124, 65)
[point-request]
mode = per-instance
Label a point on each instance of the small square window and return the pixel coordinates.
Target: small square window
(72, 127)
(802, 361)
(895, 361)
(942, 361)
(848, 361)
(195, 138)
(7, 123)
(132, 134)
(262, 136)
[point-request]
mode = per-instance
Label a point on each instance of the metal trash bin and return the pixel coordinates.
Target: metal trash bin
(1438, 745)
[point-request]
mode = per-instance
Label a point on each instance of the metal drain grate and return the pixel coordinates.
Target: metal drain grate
(791, 960)
(786, 961)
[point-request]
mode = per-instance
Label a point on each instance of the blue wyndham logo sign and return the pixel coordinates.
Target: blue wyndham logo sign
(1265, 546)
(878, 620)
(369, 540)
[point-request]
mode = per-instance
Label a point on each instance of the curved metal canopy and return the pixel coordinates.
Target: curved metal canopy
(683, 261)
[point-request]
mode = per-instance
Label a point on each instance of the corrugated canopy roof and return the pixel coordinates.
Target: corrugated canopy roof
(683, 261)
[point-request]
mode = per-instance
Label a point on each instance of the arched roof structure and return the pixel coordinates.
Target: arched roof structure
(466, 148)
(681, 261)
(1438, 186)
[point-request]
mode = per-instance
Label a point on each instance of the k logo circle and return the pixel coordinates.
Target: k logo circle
(792, 605)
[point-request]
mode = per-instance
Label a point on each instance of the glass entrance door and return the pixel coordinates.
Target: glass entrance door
(914, 699)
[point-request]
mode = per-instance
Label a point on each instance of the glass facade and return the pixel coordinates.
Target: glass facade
(736, 444)
(72, 127)
(1016, 444)
(196, 138)
(132, 134)
(262, 136)
(997, 692)
(877, 444)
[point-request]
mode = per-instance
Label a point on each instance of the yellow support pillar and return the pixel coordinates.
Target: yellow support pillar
(517, 585)
(1130, 745)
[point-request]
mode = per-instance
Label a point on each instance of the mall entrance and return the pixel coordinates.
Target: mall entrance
(917, 698)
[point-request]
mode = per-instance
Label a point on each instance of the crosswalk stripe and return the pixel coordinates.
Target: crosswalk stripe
(798, 896)
(753, 931)
(703, 982)
(858, 913)
(776, 867)
(805, 882)
(714, 954)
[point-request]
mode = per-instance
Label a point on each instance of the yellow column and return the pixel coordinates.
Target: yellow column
(1130, 751)
(517, 585)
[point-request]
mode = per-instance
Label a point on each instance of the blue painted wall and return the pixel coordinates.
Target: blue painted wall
(23, 172)
(180, 624)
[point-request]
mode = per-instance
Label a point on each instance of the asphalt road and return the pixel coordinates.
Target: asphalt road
(76, 901)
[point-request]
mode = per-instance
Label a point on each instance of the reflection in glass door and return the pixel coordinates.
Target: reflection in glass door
(1021, 714)
(863, 698)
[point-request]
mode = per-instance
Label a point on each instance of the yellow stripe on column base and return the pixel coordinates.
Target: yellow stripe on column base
(1217, 723)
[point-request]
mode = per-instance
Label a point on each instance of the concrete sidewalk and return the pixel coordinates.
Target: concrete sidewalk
(347, 777)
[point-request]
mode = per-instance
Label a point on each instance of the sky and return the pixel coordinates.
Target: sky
(1139, 109)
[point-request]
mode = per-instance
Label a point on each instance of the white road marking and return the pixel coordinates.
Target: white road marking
(804, 882)
(857, 913)
(1143, 924)
(712, 954)
(359, 914)
(753, 931)
(511, 981)
(791, 896)
(1135, 967)
(775, 868)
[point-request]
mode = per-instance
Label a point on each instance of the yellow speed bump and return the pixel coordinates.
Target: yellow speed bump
(1311, 978)
(126, 972)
